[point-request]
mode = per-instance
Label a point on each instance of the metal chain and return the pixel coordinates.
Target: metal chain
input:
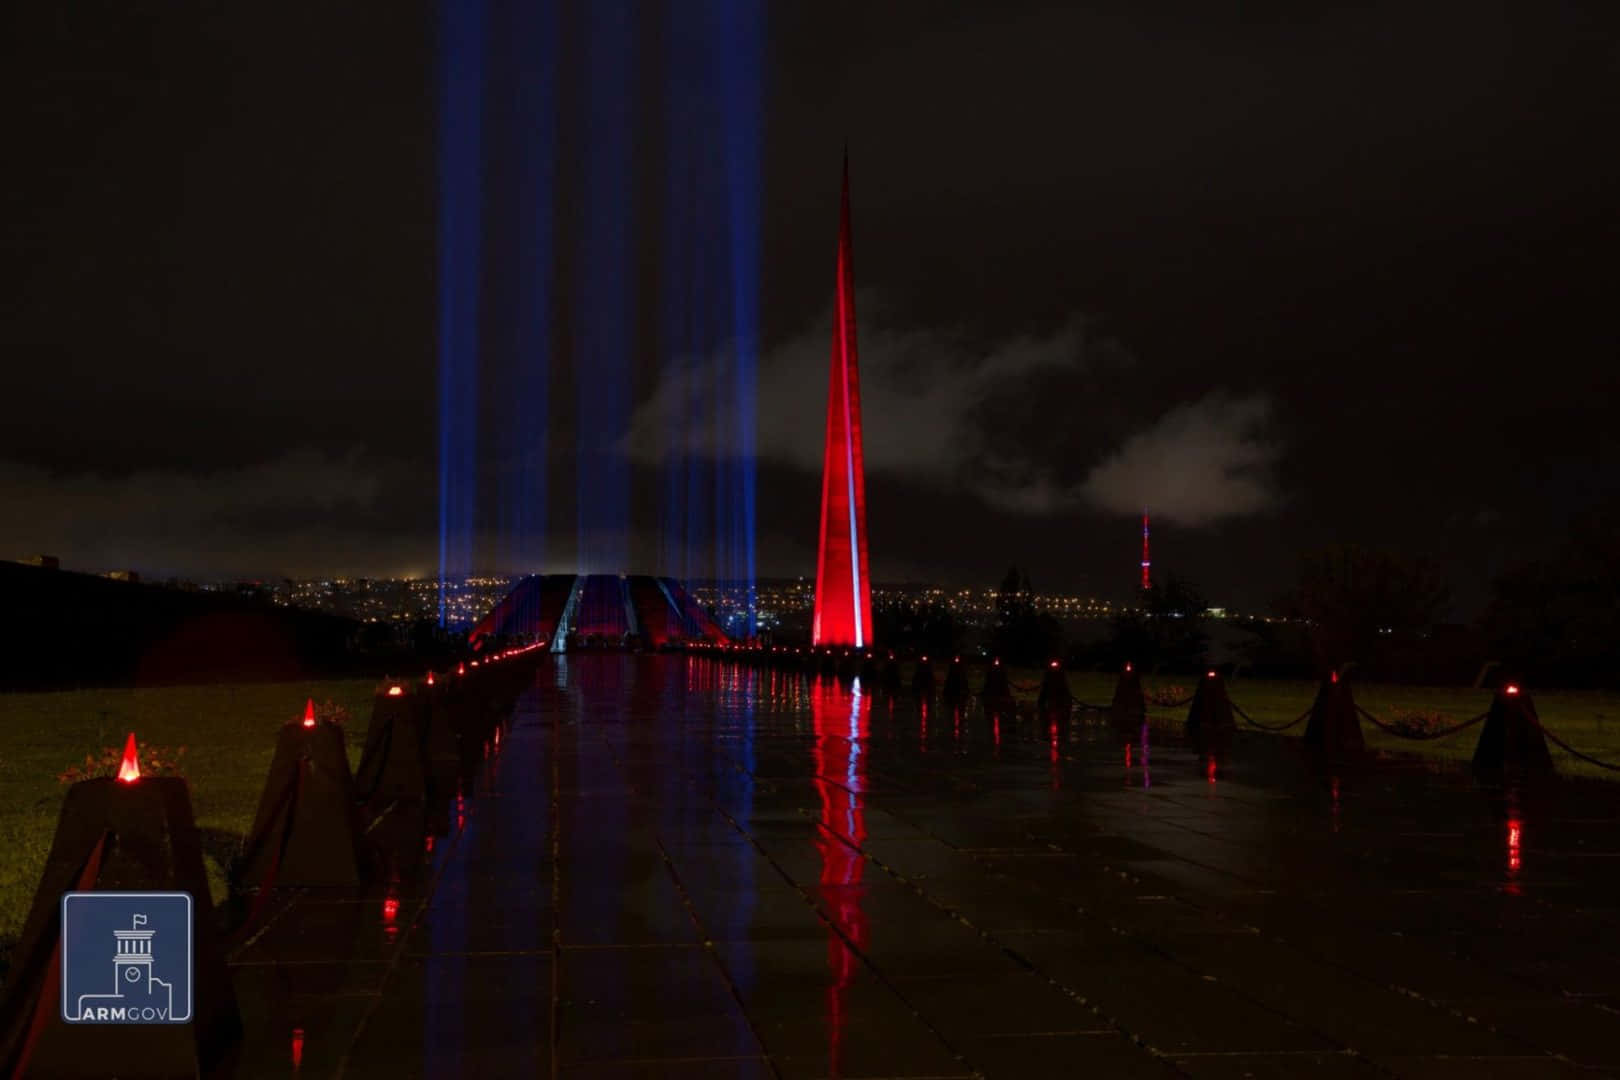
(1399, 734)
(1560, 743)
(1272, 727)
(1571, 750)
(1086, 706)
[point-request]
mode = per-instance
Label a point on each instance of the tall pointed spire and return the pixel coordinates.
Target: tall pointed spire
(843, 611)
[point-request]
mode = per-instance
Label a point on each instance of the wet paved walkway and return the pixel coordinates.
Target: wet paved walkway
(672, 869)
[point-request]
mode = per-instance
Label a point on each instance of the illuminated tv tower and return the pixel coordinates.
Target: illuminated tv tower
(1147, 582)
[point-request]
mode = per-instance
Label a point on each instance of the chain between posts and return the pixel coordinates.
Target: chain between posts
(1399, 734)
(1086, 706)
(1272, 727)
(1568, 749)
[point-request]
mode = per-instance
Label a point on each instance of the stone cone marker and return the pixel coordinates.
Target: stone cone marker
(1511, 738)
(1334, 727)
(130, 835)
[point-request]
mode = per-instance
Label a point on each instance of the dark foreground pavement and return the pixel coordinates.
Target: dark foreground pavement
(672, 869)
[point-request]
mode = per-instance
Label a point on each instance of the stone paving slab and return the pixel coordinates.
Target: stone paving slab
(648, 879)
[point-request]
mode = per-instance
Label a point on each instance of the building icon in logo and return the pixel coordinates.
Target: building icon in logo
(134, 985)
(150, 940)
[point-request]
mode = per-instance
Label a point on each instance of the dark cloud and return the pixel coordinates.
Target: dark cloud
(303, 510)
(922, 392)
(928, 399)
(1197, 465)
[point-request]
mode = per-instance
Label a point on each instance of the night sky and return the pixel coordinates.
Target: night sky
(1283, 274)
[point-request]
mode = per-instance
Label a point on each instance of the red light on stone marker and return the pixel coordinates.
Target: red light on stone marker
(1333, 676)
(461, 669)
(297, 1047)
(129, 770)
(309, 712)
(1515, 836)
(1510, 689)
(1127, 668)
(390, 909)
(1209, 770)
(430, 678)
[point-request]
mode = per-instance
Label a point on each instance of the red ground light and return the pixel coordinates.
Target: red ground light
(129, 770)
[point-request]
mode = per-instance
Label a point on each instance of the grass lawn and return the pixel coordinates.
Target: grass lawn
(229, 732)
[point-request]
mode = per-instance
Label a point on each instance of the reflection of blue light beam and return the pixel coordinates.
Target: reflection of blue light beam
(607, 303)
(460, 172)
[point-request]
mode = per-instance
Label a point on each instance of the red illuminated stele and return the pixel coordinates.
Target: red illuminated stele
(843, 606)
(129, 769)
(309, 712)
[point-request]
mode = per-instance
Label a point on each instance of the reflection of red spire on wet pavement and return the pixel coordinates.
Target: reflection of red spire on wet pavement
(841, 728)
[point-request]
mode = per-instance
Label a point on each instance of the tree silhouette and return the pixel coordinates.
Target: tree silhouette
(1169, 631)
(1363, 603)
(1558, 621)
(1022, 635)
